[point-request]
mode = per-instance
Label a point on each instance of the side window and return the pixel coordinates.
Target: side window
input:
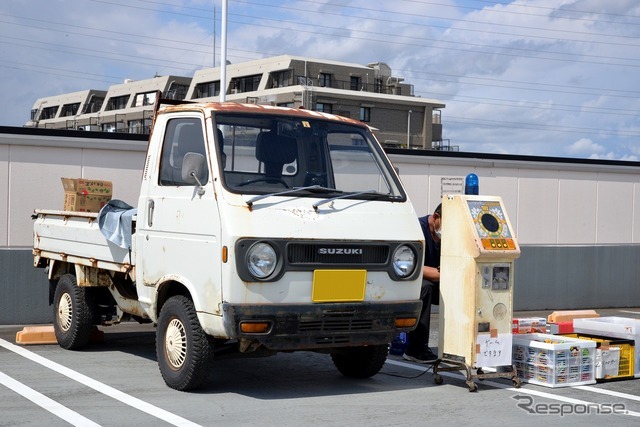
(182, 136)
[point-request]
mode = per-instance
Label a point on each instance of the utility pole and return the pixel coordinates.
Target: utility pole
(409, 128)
(214, 36)
(223, 56)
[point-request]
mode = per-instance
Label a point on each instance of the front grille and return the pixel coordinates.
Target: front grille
(317, 253)
(335, 325)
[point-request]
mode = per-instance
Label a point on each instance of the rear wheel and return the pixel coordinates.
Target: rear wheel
(74, 311)
(360, 362)
(182, 347)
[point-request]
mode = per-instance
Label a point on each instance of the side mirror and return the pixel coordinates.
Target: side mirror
(194, 170)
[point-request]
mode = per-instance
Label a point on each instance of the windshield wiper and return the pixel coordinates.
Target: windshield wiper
(345, 195)
(311, 188)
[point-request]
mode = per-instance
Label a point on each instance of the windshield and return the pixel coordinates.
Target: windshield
(265, 154)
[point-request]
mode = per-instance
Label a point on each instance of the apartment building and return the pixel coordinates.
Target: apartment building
(370, 93)
(125, 107)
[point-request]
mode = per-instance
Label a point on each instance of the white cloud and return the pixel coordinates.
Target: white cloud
(613, 156)
(585, 147)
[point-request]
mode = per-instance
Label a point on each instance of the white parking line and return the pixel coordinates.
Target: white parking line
(609, 392)
(527, 391)
(100, 387)
(46, 403)
(629, 311)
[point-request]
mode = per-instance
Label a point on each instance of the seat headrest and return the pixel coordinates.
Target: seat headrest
(190, 139)
(271, 148)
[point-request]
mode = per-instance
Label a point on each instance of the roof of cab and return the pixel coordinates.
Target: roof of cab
(235, 107)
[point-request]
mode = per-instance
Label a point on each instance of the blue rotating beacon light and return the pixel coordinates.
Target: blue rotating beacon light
(471, 184)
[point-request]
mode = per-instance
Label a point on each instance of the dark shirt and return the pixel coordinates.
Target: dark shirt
(432, 249)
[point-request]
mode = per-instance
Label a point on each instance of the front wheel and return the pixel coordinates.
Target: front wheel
(182, 347)
(360, 362)
(74, 312)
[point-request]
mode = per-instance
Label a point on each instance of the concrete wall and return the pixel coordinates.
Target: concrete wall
(33, 161)
(549, 201)
(578, 222)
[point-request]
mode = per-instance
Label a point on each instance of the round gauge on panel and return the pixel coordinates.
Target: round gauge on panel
(499, 311)
(490, 223)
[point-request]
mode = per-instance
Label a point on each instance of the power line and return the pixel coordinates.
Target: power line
(496, 124)
(133, 59)
(418, 15)
(562, 58)
(531, 6)
(79, 75)
(501, 82)
(533, 105)
(38, 67)
(68, 25)
(376, 37)
(361, 31)
(386, 40)
(128, 5)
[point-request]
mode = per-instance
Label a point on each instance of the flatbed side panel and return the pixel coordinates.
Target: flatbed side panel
(76, 234)
(89, 262)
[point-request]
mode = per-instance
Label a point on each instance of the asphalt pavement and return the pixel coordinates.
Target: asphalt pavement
(117, 383)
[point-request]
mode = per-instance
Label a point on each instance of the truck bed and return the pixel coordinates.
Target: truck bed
(75, 237)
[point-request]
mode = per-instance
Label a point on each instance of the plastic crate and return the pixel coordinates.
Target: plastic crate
(613, 327)
(625, 350)
(554, 361)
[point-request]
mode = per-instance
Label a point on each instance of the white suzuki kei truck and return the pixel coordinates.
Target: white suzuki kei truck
(258, 229)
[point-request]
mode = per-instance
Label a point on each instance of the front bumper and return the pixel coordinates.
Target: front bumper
(318, 326)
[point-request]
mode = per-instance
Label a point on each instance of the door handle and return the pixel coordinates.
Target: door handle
(150, 208)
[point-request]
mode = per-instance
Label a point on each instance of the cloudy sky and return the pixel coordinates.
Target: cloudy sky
(533, 77)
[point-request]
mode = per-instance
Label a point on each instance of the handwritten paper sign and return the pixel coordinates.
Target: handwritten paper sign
(493, 351)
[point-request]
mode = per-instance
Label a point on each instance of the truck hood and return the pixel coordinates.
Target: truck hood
(342, 219)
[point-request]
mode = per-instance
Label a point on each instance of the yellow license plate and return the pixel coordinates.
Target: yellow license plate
(338, 285)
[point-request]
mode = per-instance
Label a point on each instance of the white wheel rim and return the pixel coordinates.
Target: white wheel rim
(65, 312)
(175, 343)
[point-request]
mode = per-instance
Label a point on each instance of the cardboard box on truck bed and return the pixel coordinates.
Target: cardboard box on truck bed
(86, 195)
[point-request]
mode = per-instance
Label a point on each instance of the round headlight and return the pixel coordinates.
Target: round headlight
(261, 260)
(404, 261)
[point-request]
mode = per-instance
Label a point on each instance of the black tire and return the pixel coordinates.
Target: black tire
(182, 347)
(73, 313)
(360, 362)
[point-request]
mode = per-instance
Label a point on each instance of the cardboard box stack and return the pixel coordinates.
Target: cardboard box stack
(86, 195)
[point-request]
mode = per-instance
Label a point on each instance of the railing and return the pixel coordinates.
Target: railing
(444, 145)
(349, 85)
